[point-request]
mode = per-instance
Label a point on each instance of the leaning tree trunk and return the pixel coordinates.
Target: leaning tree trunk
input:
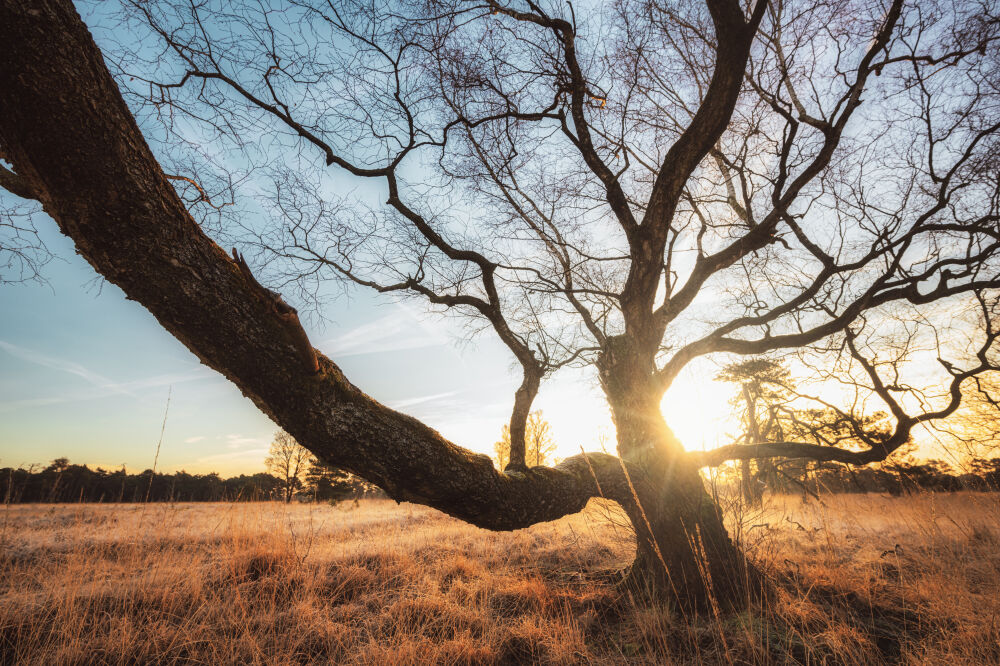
(682, 546)
(76, 148)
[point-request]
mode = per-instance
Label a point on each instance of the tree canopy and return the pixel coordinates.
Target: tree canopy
(631, 187)
(63, 481)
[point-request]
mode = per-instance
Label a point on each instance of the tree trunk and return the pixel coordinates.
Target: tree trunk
(76, 147)
(749, 486)
(682, 546)
(523, 398)
(753, 495)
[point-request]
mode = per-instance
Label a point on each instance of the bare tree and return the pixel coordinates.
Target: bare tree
(636, 188)
(289, 461)
(329, 483)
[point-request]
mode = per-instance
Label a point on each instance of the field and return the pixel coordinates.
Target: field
(862, 579)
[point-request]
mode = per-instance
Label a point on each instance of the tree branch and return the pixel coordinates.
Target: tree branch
(63, 120)
(16, 184)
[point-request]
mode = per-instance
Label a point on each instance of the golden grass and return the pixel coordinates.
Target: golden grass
(379, 583)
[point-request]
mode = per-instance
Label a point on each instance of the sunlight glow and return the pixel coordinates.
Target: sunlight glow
(698, 410)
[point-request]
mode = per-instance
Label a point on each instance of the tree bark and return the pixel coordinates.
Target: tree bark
(682, 546)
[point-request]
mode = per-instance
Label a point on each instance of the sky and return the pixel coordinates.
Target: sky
(86, 374)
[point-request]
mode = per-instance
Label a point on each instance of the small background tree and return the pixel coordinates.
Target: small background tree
(539, 447)
(774, 410)
(764, 386)
(288, 461)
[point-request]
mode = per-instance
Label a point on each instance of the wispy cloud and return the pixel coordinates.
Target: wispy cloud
(419, 400)
(102, 386)
(193, 440)
(237, 441)
(28, 403)
(247, 454)
(166, 379)
(398, 331)
(62, 365)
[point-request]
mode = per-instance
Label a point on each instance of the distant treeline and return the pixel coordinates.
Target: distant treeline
(61, 481)
(894, 478)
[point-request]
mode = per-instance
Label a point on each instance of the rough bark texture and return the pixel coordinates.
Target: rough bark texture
(683, 547)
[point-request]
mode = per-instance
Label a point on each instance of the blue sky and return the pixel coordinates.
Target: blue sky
(85, 374)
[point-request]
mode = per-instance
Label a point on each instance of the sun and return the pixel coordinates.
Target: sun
(698, 410)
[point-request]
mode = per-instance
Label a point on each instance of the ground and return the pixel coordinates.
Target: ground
(862, 579)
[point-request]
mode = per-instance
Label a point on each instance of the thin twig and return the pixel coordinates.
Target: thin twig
(159, 443)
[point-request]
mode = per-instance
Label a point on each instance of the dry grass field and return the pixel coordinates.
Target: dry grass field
(377, 583)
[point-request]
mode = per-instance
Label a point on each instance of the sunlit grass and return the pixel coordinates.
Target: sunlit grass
(379, 583)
